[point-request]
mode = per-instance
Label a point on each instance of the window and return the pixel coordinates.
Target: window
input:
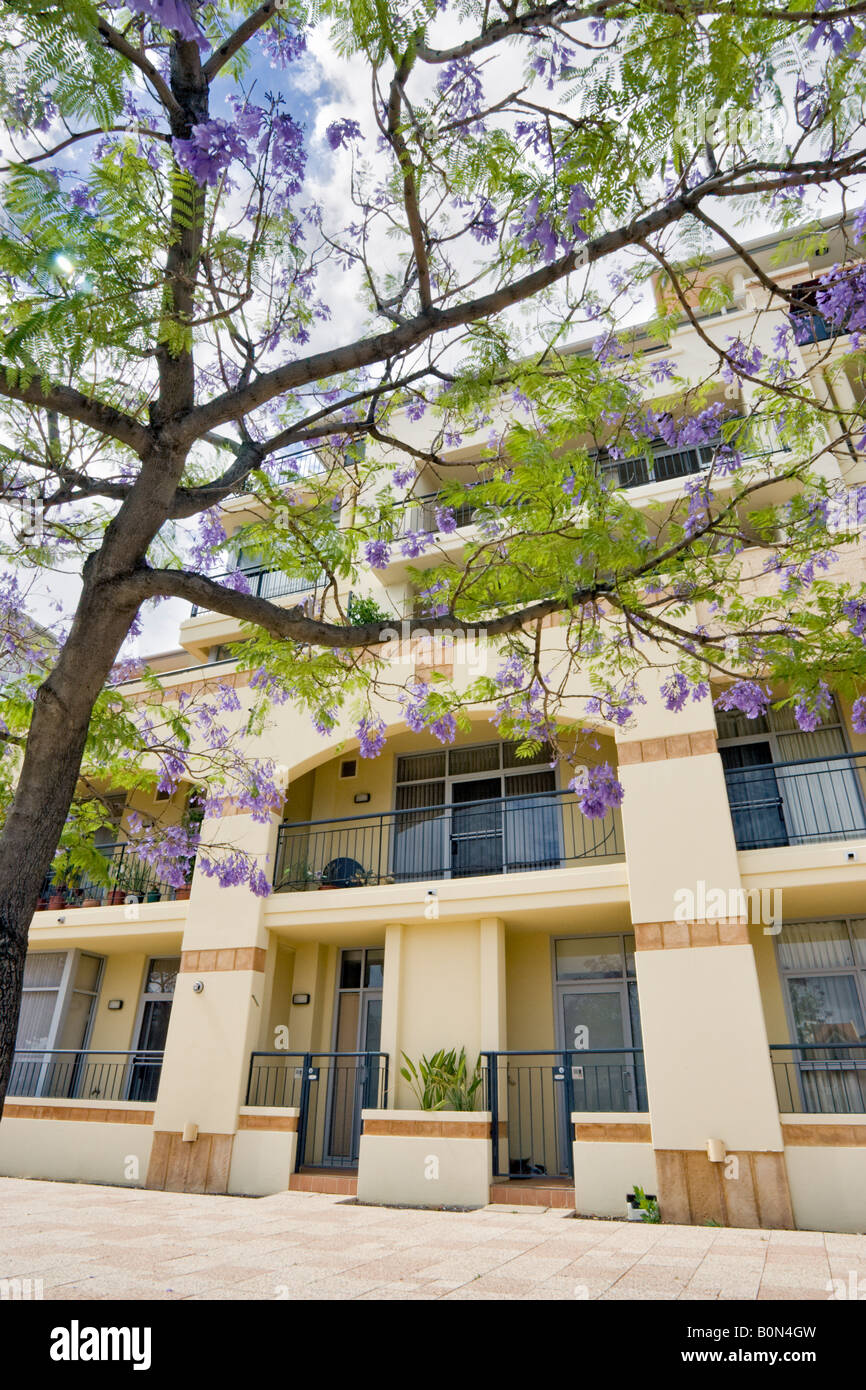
(59, 994)
(348, 768)
(475, 810)
(787, 787)
(823, 969)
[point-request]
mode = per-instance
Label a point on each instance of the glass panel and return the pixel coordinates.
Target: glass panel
(545, 754)
(814, 946)
(858, 931)
(43, 969)
(34, 1023)
(756, 803)
(350, 969)
(417, 767)
(418, 848)
(589, 958)
(593, 1021)
(77, 1018)
(87, 972)
(154, 1025)
(826, 1009)
(465, 760)
(532, 825)
(373, 1032)
(734, 725)
(822, 800)
(374, 969)
(347, 1023)
(161, 975)
(476, 828)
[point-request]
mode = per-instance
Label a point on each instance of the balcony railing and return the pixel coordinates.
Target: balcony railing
(531, 1097)
(264, 583)
(798, 803)
(540, 830)
(665, 464)
(820, 1079)
(63, 1074)
(129, 877)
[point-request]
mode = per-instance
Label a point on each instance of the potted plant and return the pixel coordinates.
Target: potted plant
(57, 899)
(90, 902)
(153, 895)
(181, 894)
(642, 1206)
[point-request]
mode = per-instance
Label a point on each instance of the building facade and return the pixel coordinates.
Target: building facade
(671, 998)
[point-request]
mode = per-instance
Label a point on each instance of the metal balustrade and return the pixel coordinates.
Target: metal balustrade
(532, 1096)
(265, 583)
(539, 830)
(65, 1074)
(798, 803)
(330, 1089)
(129, 878)
(820, 1078)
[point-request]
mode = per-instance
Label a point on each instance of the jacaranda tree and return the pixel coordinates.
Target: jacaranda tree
(202, 276)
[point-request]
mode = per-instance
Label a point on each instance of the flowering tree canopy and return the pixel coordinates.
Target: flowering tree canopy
(233, 232)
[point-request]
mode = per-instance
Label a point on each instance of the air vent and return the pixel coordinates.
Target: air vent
(348, 768)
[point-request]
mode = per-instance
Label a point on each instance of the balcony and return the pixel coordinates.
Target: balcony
(666, 464)
(798, 803)
(513, 834)
(808, 324)
(265, 583)
(825, 1079)
(129, 879)
(62, 1074)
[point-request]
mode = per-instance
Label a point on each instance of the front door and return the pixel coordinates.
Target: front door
(476, 828)
(156, 1004)
(358, 1031)
(595, 1020)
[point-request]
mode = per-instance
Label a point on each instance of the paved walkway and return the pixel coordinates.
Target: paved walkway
(88, 1242)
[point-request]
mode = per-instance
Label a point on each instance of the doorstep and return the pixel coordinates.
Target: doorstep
(338, 1184)
(534, 1192)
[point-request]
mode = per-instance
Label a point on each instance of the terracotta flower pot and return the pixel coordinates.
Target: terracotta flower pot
(90, 902)
(56, 900)
(182, 893)
(116, 897)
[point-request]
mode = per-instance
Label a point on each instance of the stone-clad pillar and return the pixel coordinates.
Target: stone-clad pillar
(213, 1029)
(709, 1075)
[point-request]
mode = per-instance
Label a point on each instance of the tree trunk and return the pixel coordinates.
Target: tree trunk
(58, 731)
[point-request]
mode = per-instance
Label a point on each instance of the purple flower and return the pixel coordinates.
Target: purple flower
(597, 790)
(209, 151)
(858, 715)
(377, 554)
(341, 131)
(445, 521)
(809, 710)
(746, 696)
(171, 14)
(371, 736)
(578, 203)
(444, 728)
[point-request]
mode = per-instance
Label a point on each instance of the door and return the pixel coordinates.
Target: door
(351, 1079)
(756, 805)
(593, 1021)
(476, 827)
(144, 1073)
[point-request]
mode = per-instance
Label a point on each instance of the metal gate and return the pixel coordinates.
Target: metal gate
(532, 1095)
(330, 1089)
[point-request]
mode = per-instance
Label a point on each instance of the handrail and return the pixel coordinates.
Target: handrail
(797, 762)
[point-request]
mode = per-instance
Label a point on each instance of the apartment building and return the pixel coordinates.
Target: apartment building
(672, 997)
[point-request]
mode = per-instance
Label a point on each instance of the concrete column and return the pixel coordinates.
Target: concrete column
(216, 1022)
(707, 1057)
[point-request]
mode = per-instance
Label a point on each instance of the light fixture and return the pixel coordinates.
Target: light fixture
(198, 987)
(115, 1003)
(300, 998)
(361, 798)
